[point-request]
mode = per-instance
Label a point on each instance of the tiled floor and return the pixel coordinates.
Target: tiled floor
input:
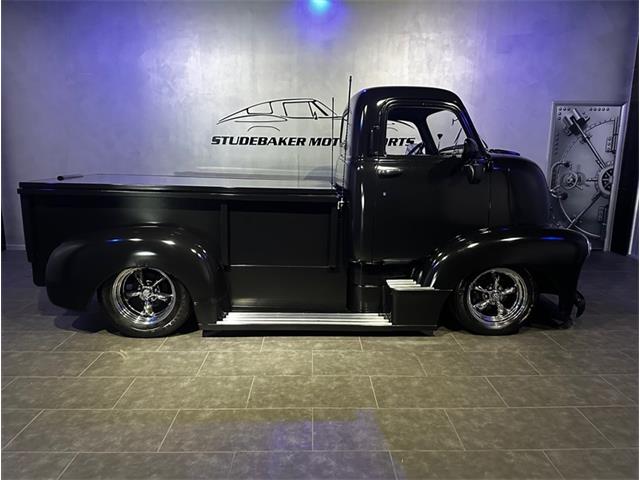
(80, 402)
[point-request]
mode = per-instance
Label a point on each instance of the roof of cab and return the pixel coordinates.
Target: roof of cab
(375, 94)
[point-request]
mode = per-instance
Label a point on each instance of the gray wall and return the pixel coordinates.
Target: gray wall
(139, 87)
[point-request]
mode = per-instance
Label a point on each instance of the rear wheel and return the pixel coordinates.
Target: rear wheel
(145, 302)
(494, 302)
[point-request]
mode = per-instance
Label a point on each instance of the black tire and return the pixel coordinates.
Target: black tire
(476, 306)
(126, 309)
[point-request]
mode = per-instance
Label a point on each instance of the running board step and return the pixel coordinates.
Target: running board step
(287, 318)
(402, 284)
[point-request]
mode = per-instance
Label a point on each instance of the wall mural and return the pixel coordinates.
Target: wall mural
(276, 122)
(269, 123)
(296, 137)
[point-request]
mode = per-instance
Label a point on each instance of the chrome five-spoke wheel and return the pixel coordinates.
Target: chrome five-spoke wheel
(145, 296)
(495, 301)
(145, 302)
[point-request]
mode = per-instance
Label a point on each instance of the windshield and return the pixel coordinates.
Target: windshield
(446, 131)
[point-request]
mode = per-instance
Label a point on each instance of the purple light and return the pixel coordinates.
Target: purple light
(318, 21)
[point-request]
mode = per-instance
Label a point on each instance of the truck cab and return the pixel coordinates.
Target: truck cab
(419, 215)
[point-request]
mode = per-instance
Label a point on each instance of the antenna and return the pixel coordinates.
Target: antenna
(333, 119)
(346, 133)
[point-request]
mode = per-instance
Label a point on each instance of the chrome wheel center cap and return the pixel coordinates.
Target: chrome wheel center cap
(146, 294)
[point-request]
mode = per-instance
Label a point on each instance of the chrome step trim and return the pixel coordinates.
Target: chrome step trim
(405, 284)
(297, 315)
(402, 281)
(320, 322)
(305, 318)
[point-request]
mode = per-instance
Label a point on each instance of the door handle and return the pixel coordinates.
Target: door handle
(388, 171)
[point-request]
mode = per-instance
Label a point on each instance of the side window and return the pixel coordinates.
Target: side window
(446, 131)
(402, 136)
(422, 130)
(297, 110)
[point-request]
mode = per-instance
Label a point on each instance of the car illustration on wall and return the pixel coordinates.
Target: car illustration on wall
(271, 113)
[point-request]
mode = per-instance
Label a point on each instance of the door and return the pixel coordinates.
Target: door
(423, 196)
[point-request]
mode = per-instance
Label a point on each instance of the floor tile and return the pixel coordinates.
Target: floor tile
(627, 384)
(306, 391)
(6, 380)
(25, 341)
(525, 428)
(24, 293)
(95, 430)
(15, 420)
(560, 362)
(616, 304)
(534, 391)
(167, 466)
(573, 339)
(366, 363)
(312, 465)
(146, 364)
(525, 340)
(12, 307)
(607, 322)
(31, 320)
(28, 324)
(249, 430)
(46, 363)
(257, 363)
(181, 392)
(34, 466)
(618, 424)
(64, 392)
(311, 343)
(104, 341)
(411, 344)
(427, 392)
(475, 363)
(596, 464)
(503, 465)
(383, 429)
(196, 342)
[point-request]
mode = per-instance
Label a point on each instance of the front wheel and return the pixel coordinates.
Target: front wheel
(494, 302)
(145, 302)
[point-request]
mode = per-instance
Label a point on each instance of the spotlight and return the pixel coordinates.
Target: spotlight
(319, 7)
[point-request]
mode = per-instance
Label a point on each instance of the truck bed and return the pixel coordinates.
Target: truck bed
(279, 241)
(209, 186)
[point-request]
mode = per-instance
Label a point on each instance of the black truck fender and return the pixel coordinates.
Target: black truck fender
(553, 256)
(79, 266)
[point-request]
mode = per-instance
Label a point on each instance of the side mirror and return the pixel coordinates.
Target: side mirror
(473, 165)
(470, 150)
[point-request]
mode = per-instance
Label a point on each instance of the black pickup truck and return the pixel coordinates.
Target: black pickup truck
(419, 215)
